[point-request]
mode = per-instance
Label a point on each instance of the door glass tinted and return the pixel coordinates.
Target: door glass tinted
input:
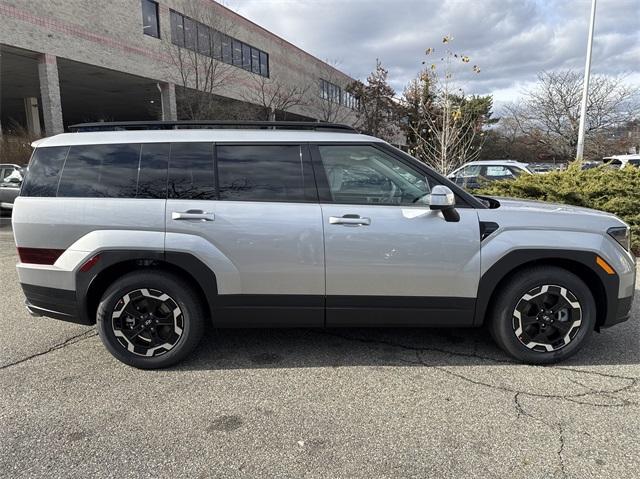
(152, 179)
(191, 175)
(43, 173)
(109, 171)
(365, 175)
(260, 173)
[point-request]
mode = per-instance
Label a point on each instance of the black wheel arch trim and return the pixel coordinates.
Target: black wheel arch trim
(579, 262)
(116, 263)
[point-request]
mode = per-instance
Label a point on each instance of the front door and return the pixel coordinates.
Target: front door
(390, 260)
(255, 220)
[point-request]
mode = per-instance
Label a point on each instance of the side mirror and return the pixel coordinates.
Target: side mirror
(14, 179)
(443, 199)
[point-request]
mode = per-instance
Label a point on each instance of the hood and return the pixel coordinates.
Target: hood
(541, 206)
(527, 214)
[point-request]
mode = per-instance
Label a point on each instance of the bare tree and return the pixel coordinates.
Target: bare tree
(445, 125)
(550, 112)
(273, 94)
(198, 69)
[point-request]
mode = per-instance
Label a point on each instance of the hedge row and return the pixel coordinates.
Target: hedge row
(606, 189)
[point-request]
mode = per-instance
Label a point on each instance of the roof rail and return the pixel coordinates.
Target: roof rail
(211, 124)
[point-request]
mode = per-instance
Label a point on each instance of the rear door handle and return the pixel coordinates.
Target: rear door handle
(349, 220)
(197, 215)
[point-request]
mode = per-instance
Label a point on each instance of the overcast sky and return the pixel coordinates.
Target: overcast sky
(510, 40)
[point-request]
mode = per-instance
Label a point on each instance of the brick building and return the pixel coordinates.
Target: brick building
(86, 60)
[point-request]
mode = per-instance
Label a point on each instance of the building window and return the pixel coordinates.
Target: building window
(237, 53)
(246, 57)
(264, 64)
(190, 34)
(150, 23)
(333, 93)
(226, 49)
(204, 43)
(255, 61)
(177, 29)
(216, 45)
(186, 32)
(330, 91)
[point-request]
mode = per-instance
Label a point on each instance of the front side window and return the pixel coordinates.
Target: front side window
(260, 173)
(469, 172)
(100, 171)
(44, 170)
(191, 172)
(365, 175)
(150, 24)
(515, 171)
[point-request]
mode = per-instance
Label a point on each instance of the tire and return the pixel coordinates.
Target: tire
(524, 321)
(150, 319)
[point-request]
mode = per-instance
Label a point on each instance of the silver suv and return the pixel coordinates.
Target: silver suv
(150, 230)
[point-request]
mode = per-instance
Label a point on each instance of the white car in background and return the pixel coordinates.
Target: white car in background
(620, 161)
(473, 174)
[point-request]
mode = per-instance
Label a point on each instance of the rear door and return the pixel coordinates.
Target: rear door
(390, 260)
(256, 208)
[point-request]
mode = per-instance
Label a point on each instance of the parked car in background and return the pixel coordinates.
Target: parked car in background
(473, 174)
(10, 182)
(620, 161)
(546, 167)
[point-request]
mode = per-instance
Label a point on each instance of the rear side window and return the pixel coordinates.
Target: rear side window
(260, 173)
(100, 171)
(191, 175)
(44, 172)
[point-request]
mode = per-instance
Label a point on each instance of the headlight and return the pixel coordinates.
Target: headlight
(622, 235)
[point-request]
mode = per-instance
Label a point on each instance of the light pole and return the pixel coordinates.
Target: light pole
(585, 84)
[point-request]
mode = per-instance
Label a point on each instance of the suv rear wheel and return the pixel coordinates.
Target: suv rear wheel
(150, 319)
(543, 315)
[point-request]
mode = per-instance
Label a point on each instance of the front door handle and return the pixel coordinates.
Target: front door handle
(349, 220)
(197, 215)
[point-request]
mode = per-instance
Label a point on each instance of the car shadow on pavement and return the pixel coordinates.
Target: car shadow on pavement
(309, 348)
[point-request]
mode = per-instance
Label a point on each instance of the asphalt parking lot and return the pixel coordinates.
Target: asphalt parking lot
(311, 403)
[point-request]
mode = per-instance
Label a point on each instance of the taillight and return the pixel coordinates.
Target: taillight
(39, 255)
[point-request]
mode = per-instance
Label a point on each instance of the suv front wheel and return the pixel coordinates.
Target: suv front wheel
(543, 315)
(150, 319)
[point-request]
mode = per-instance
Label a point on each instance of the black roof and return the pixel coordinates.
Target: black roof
(211, 124)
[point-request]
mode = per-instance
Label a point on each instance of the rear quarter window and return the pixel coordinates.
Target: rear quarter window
(100, 171)
(44, 170)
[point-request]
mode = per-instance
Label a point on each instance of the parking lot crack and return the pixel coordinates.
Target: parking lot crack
(561, 450)
(576, 397)
(67, 342)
